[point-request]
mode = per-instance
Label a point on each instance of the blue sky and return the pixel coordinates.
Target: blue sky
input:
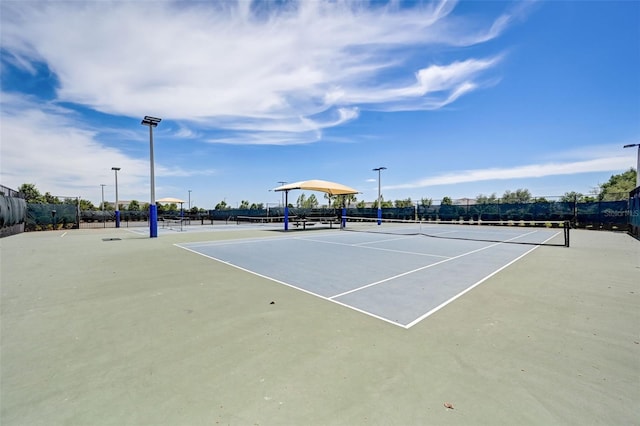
(455, 99)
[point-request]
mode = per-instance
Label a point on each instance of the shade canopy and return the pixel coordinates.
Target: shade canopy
(170, 200)
(330, 188)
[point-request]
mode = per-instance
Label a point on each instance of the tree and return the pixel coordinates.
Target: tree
(302, 199)
(50, 199)
(86, 205)
(426, 202)
(134, 206)
(446, 201)
(222, 205)
(383, 204)
(344, 200)
(244, 204)
(307, 203)
(403, 203)
(519, 196)
(618, 186)
(170, 207)
(483, 199)
(361, 204)
(329, 198)
(350, 198)
(571, 197)
(31, 193)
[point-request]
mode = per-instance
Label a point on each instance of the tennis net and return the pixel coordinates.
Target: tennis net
(554, 233)
(243, 220)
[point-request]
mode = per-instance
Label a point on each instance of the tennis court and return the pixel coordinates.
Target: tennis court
(109, 326)
(388, 272)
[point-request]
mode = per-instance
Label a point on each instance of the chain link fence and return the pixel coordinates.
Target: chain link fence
(612, 215)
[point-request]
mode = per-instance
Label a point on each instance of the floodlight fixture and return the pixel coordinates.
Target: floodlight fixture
(150, 121)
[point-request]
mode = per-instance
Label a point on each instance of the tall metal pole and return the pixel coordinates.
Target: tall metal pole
(115, 169)
(153, 208)
(152, 171)
(286, 210)
(379, 169)
(637, 162)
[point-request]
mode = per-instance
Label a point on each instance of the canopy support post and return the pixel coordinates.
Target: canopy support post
(286, 210)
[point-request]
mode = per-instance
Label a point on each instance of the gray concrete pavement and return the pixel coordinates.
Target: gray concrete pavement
(139, 332)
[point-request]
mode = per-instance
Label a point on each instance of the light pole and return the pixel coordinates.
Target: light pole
(637, 163)
(104, 224)
(282, 183)
(115, 169)
(153, 209)
(379, 169)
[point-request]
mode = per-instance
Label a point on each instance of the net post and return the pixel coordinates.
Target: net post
(343, 222)
(567, 226)
(286, 210)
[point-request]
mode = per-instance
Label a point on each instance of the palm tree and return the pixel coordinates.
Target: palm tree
(328, 197)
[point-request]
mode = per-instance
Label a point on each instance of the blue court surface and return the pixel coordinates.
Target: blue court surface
(395, 278)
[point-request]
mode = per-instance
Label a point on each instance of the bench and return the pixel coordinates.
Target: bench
(312, 220)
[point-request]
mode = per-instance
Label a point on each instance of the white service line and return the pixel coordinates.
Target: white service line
(418, 269)
(291, 286)
(466, 290)
(375, 248)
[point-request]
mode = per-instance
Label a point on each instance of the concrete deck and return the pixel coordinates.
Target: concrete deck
(139, 332)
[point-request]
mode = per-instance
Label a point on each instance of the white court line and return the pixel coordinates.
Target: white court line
(292, 286)
(332, 298)
(468, 289)
(375, 248)
(384, 241)
(417, 270)
(238, 241)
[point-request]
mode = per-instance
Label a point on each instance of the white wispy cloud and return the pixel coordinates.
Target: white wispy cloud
(235, 64)
(604, 164)
(46, 145)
